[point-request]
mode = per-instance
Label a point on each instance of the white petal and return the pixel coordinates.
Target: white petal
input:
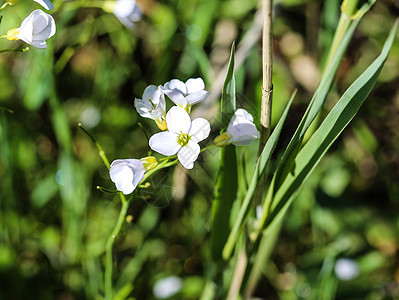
(189, 154)
(135, 15)
(243, 134)
(200, 129)
(40, 21)
(124, 8)
(127, 12)
(241, 116)
(177, 86)
(149, 93)
(142, 108)
(26, 29)
(165, 143)
(38, 44)
(197, 97)
(194, 85)
(46, 31)
(127, 174)
(46, 4)
(152, 105)
(178, 120)
(139, 170)
(176, 97)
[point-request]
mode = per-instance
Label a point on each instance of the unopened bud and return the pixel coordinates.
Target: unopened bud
(222, 140)
(150, 162)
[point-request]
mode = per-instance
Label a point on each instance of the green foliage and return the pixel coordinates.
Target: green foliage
(227, 182)
(335, 122)
(54, 223)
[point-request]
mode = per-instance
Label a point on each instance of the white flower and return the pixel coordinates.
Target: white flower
(152, 106)
(45, 3)
(166, 287)
(34, 30)
(127, 173)
(346, 269)
(241, 130)
(182, 136)
(127, 12)
(185, 94)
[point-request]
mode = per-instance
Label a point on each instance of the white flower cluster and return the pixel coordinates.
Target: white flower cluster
(36, 28)
(180, 135)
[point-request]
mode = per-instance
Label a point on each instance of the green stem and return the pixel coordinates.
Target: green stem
(110, 244)
(348, 9)
(100, 149)
(6, 110)
(118, 227)
(105, 190)
(3, 6)
(106, 5)
(207, 147)
(162, 165)
(14, 50)
(262, 256)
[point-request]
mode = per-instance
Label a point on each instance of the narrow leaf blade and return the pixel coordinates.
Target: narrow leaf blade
(228, 105)
(335, 122)
(316, 102)
(260, 167)
(227, 182)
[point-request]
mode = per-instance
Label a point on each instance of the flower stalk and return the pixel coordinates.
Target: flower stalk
(348, 9)
(110, 244)
(99, 148)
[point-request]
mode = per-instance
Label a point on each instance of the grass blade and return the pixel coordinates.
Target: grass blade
(317, 101)
(335, 122)
(258, 172)
(228, 105)
(227, 182)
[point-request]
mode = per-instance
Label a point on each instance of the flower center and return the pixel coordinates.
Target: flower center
(183, 139)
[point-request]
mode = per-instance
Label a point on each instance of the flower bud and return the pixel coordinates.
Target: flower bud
(222, 140)
(150, 162)
(34, 30)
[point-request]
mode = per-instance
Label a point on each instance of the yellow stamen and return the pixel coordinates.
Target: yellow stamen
(183, 139)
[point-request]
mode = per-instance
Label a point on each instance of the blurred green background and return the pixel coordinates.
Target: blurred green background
(54, 222)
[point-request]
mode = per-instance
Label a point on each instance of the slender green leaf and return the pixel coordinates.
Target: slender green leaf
(227, 182)
(225, 194)
(335, 122)
(258, 172)
(317, 101)
(228, 105)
